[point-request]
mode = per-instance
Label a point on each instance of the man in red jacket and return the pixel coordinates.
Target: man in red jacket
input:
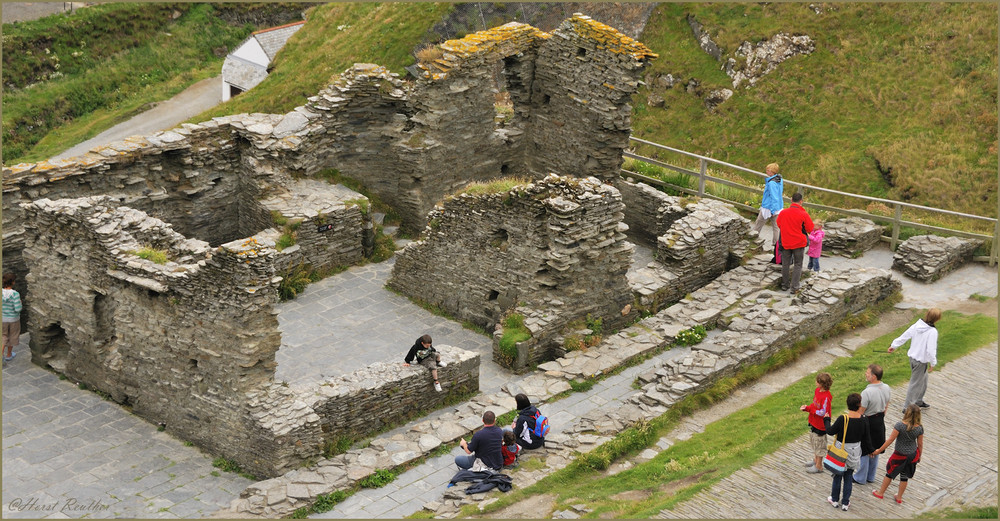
(794, 224)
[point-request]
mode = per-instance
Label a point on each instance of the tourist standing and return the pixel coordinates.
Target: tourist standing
(795, 225)
(874, 405)
(815, 246)
(771, 202)
(851, 432)
(922, 336)
(818, 409)
(484, 446)
(11, 317)
(427, 356)
(909, 437)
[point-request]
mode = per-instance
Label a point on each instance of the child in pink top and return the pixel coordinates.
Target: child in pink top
(815, 246)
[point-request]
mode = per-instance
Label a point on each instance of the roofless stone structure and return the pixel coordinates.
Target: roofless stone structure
(189, 340)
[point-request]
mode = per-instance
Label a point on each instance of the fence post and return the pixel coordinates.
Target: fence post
(702, 172)
(895, 227)
(994, 249)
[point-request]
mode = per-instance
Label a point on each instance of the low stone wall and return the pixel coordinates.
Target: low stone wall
(760, 325)
(649, 213)
(379, 396)
(332, 225)
(850, 237)
(929, 257)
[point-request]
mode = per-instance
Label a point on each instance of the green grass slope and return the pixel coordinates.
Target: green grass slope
(336, 36)
(897, 101)
(76, 84)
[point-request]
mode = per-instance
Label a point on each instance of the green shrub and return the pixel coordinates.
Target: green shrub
(294, 281)
(151, 254)
(691, 336)
(513, 332)
(326, 502)
(380, 478)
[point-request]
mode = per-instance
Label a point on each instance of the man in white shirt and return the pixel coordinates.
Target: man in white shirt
(923, 355)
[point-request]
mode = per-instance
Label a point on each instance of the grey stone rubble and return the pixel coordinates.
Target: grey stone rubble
(928, 257)
(850, 237)
(763, 322)
(826, 295)
(333, 225)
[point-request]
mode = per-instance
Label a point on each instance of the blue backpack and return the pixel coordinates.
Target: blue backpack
(541, 428)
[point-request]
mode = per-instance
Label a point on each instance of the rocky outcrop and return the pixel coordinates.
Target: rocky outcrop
(762, 58)
(930, 257)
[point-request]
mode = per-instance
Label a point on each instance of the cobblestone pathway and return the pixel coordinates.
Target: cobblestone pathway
(69, 453)
(959, 465)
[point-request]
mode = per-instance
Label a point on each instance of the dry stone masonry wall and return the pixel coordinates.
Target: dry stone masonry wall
(850, 237)
(190, 343)
(929, 257)
(555, 245)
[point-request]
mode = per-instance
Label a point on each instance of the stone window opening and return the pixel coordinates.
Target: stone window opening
(494, 294)
(504, 169)
(500, 240)
(192, 364)
(581, 52)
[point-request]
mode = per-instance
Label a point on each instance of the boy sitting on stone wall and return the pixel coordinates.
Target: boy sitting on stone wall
(426, 356)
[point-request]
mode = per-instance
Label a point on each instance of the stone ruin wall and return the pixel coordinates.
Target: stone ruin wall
(190, 344)
(556, 245)
(409, 143)
(181, 343)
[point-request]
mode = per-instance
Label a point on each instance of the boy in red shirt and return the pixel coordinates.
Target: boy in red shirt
(819, 408)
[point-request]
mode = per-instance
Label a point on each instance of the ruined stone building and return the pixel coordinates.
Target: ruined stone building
(189, 340)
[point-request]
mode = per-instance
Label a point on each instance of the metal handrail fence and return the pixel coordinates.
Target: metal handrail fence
(896, 220)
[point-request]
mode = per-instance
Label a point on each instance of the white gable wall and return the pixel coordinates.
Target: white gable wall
(252, 52)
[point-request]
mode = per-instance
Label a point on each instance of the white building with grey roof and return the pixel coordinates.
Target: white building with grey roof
(248, 65)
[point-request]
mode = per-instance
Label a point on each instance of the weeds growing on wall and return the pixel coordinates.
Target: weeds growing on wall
(154, 255)
(513, 332)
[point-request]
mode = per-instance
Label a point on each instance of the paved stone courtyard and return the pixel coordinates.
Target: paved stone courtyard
(69, 453)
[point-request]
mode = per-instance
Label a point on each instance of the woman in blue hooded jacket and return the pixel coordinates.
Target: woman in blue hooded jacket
(771, 203)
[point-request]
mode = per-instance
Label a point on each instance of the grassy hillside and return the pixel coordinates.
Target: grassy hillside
(897, 101)
(336, 36)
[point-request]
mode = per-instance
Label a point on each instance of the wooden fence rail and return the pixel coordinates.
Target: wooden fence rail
(896, 220)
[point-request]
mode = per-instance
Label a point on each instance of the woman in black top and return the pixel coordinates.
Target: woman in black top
(856, 442)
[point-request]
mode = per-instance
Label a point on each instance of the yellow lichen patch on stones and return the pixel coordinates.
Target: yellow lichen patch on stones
(609, 37)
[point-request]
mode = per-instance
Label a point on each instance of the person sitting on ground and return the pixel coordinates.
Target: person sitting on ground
(510, 449)
(524, 424)
(909, 437)
(818, 409)
(486, 445)
(426, 356)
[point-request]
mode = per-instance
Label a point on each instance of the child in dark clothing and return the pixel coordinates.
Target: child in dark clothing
(427, 356)
(510, 450)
